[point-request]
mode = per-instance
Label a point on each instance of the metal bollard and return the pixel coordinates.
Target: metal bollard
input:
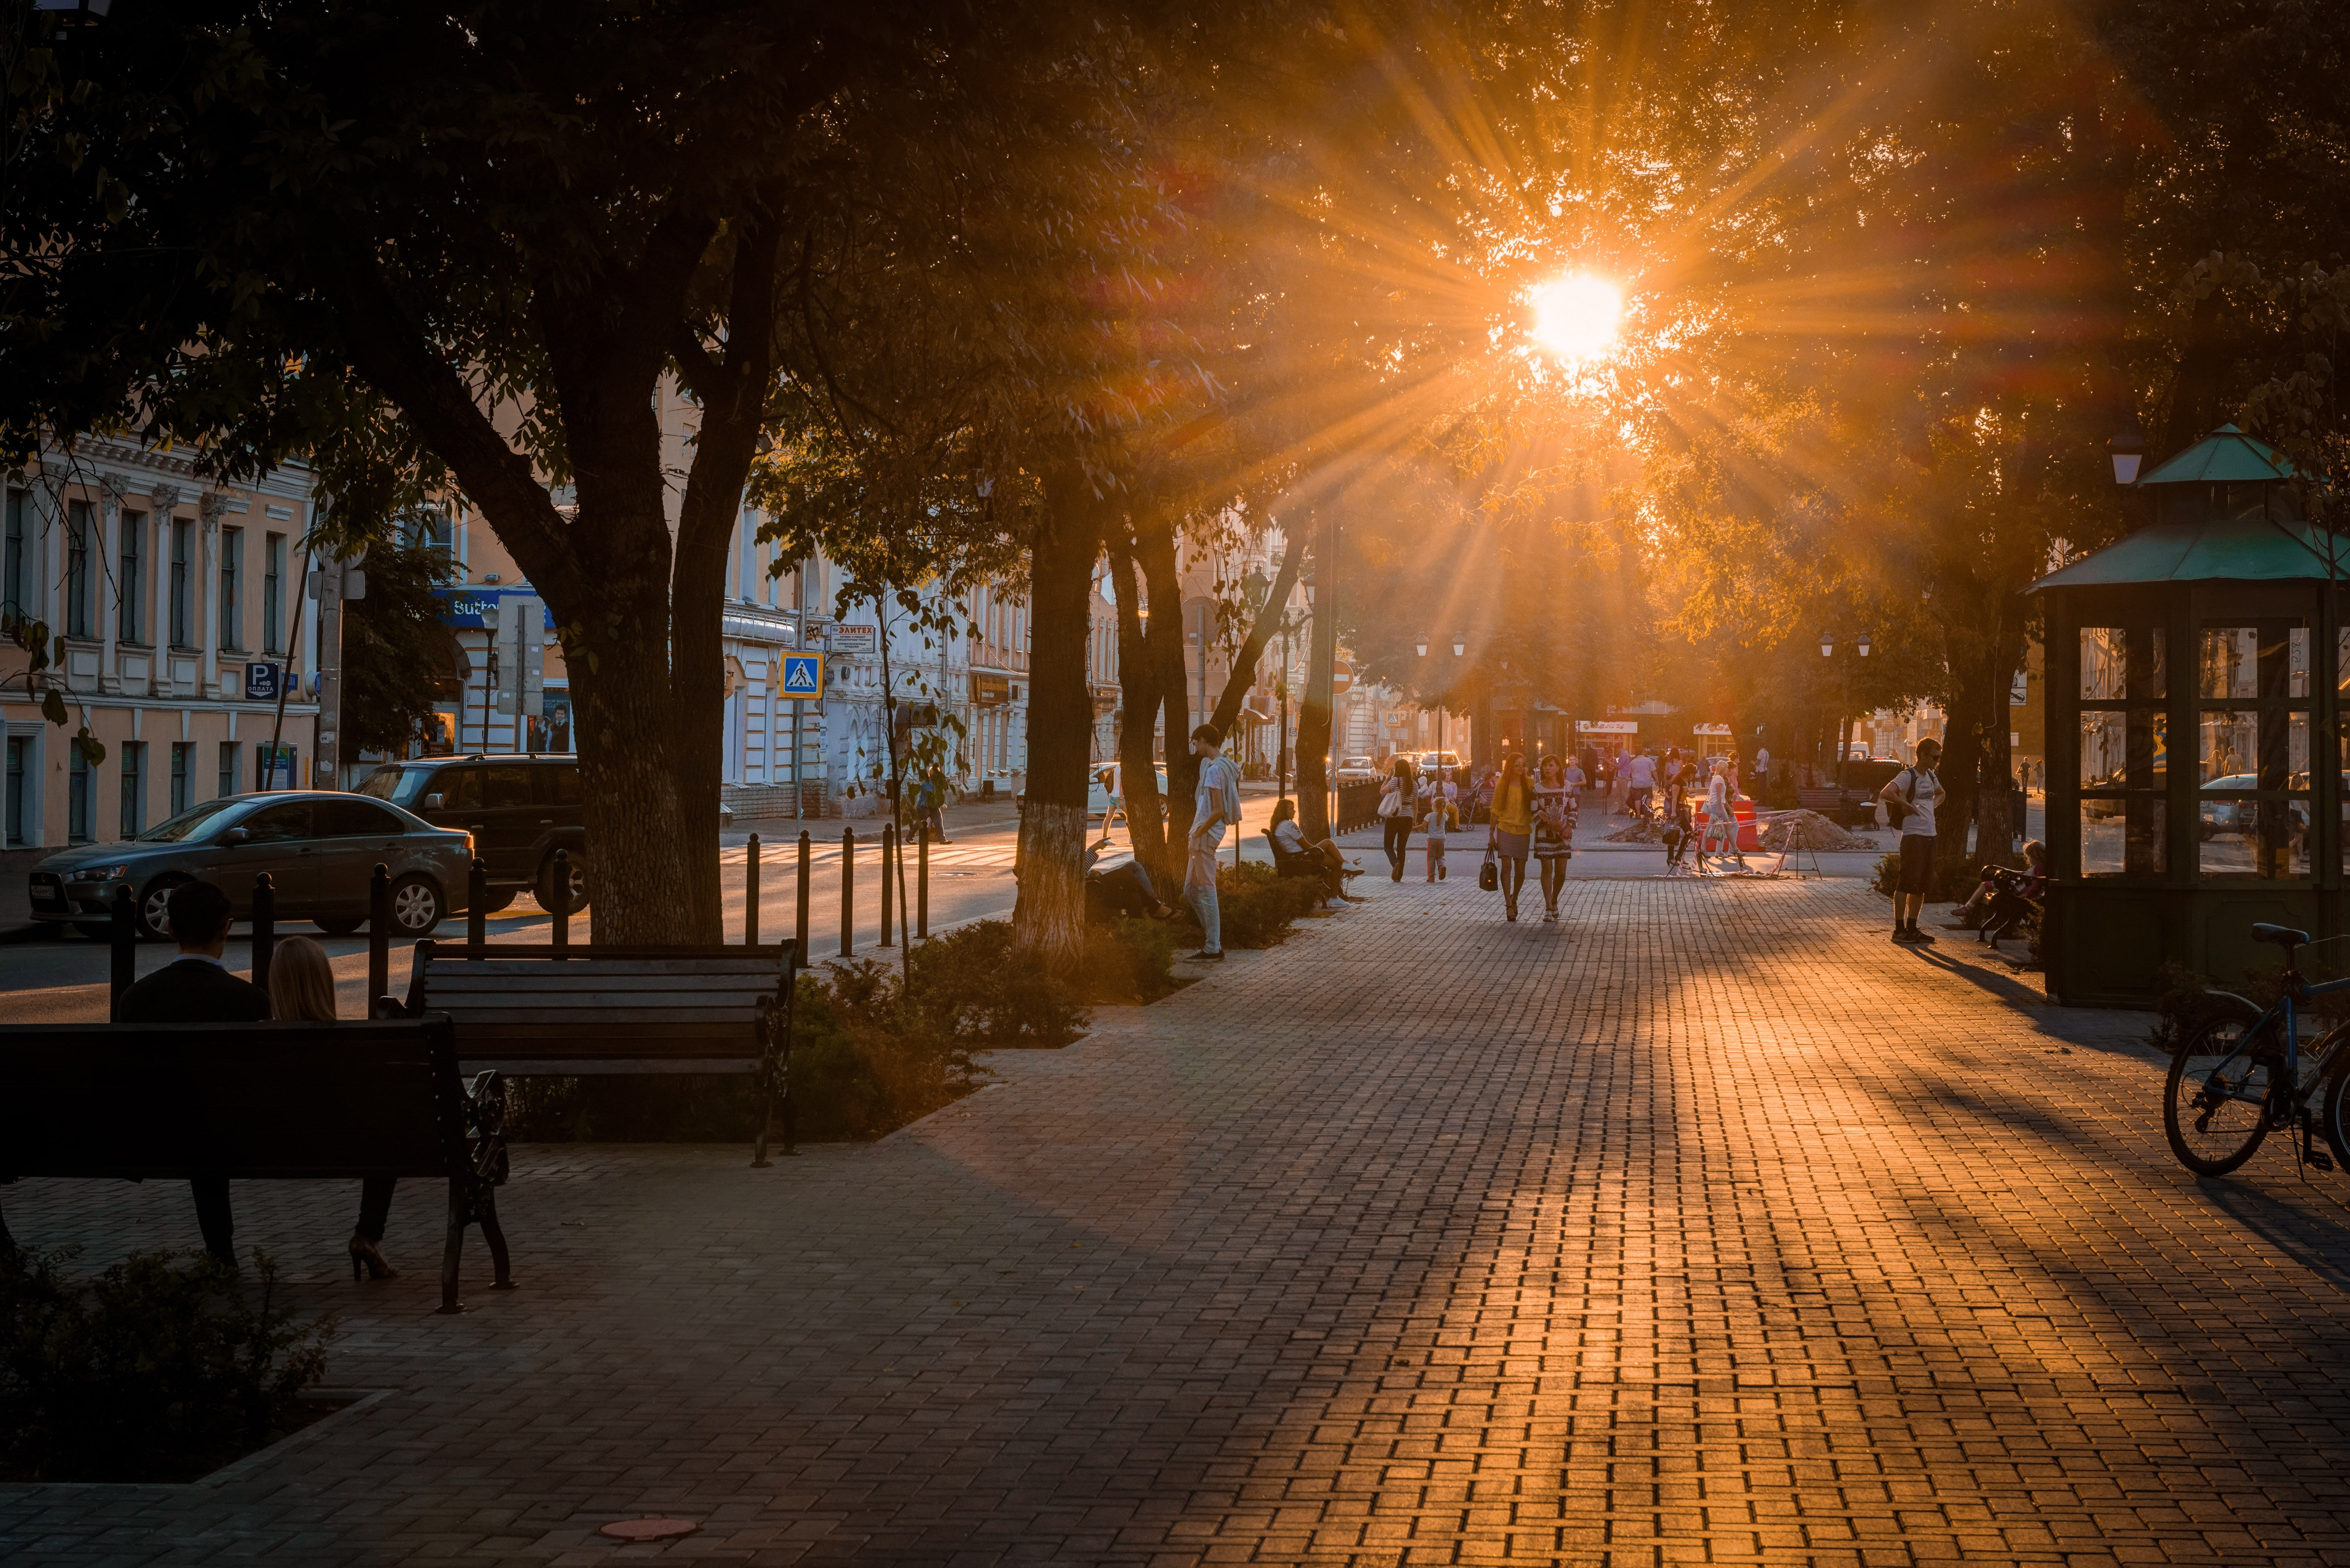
(751, 895)
(848, 891)
(562, 910)
(122, 936)
(477, 898)
(264, 928)
(889, 853)
(922, 881)
(378, 936)
(800, 932)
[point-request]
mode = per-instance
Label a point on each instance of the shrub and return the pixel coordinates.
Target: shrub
(1258, 907)
(1129, 961)
(155, 1371)
(1953, 883)
(970, 985)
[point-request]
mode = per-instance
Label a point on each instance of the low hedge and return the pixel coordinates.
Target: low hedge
(157, 1370)
(871, 1051)
(1257, 906)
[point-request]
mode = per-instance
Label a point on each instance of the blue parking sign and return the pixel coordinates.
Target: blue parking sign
(804, 675)
(261, 682)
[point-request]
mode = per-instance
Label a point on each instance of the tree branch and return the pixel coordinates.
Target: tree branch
(1268, 620)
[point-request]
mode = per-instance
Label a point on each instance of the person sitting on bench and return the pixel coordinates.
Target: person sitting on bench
(197, 988)
(1291, 838)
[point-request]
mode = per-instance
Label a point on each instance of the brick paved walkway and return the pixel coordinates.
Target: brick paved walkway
(1707, 1227)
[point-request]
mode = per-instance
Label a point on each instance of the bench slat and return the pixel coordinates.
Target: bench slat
(461, 969)
(578, 1066)
(553, 1001)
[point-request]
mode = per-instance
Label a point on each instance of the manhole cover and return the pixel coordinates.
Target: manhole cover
(648, 1528)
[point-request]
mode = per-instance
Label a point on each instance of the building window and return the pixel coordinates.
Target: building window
(78, 599)
(231, 758)
(20, 773)
(273, 596)
(130, 620)
(78, 785)
(183, 609)
(183, 754)
(232, 608)
(134, 788)
(11, 554)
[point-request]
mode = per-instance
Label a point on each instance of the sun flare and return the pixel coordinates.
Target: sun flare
(1575, 317)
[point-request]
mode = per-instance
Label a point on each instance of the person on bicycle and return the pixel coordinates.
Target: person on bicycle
(1909, 797)
(1639, 774)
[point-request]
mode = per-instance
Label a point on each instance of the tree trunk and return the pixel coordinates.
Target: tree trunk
(1983, 680)
(1049, 919)
(1313, 815)
(1146, 821)
(1268, 617)
(1155, 545)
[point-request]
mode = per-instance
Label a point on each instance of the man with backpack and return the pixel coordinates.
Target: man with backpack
(1909, 798)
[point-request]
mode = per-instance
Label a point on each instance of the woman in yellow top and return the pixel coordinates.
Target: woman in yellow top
(1514, 826)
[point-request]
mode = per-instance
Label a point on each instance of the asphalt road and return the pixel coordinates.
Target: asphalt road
(63, 979)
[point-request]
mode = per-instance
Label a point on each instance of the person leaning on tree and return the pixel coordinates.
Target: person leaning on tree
(1909, 798)
(1216, 805)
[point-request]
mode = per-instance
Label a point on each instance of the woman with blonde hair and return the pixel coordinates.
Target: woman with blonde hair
(1721, 816)
(1511, 832)
(302, 990)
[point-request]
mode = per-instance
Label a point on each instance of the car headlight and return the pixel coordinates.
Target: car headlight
(102, 874)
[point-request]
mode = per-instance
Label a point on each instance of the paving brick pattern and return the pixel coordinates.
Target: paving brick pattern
(1705, 1227)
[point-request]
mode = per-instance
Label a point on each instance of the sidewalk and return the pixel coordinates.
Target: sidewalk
(1707, 1226)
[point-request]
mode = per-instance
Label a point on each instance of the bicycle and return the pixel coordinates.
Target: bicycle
(2244, 1073)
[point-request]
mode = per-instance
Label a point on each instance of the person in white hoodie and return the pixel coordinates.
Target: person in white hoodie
(1216, 806)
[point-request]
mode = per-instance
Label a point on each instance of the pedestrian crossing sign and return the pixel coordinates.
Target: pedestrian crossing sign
(804, 675)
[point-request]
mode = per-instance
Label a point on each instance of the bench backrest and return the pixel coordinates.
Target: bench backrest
(543, 1009)
(164, 1100)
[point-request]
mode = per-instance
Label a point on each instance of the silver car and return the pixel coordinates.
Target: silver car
(319, 847)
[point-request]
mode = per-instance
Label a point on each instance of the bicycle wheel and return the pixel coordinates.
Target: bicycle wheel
(2215, 1106)
(2333, 1098)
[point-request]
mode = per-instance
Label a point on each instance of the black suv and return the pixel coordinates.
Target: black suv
(520, 811)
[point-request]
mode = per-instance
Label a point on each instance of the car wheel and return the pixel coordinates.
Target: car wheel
(341, 926)
(416, 907)
(154, 912)
(545, 891)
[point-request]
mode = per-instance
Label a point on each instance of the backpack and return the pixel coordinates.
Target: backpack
(1896, 813)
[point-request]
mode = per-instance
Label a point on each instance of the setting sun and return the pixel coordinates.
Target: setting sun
(1575, 317)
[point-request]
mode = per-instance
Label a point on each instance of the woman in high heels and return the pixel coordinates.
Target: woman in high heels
(302, 990)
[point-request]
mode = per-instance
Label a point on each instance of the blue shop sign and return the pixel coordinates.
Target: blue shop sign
(479, 607)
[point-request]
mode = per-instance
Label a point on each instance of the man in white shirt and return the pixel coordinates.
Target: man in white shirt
(1216, 805)
(1912, 794)
(1639, 771)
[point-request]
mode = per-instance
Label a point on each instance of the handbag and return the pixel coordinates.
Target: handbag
(1489, 875)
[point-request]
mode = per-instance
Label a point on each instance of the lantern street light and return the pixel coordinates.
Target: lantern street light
(1460, 645)
(2128, 451)
(1827, 650)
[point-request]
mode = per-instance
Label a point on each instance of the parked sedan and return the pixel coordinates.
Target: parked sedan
(319, 847)
(1356, 770)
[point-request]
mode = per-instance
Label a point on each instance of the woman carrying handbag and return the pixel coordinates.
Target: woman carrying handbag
(1395, 815)
(1512, 833)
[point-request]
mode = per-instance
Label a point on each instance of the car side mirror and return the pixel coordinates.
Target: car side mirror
(433, 802)
(237, 836)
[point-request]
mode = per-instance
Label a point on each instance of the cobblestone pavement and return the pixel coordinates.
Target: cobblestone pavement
(1707, 1226)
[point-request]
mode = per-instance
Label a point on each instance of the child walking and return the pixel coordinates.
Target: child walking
(1440, 820)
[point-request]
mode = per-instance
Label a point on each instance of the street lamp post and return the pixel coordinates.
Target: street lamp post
(1827, 650)
(1460, 645)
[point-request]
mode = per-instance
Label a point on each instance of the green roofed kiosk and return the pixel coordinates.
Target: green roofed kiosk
(2215, 636)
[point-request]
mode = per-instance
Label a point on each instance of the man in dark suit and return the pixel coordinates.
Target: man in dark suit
(198, 989)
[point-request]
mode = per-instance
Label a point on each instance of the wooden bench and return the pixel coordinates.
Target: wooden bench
(1310, 865)
(258, 1102)
(1838, 805)
(533, 1011)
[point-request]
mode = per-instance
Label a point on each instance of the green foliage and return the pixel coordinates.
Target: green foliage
(1954, 882)
(1258, 908)
(154, 1371)
(396, 649)
(973, 987)
(1129, 961)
